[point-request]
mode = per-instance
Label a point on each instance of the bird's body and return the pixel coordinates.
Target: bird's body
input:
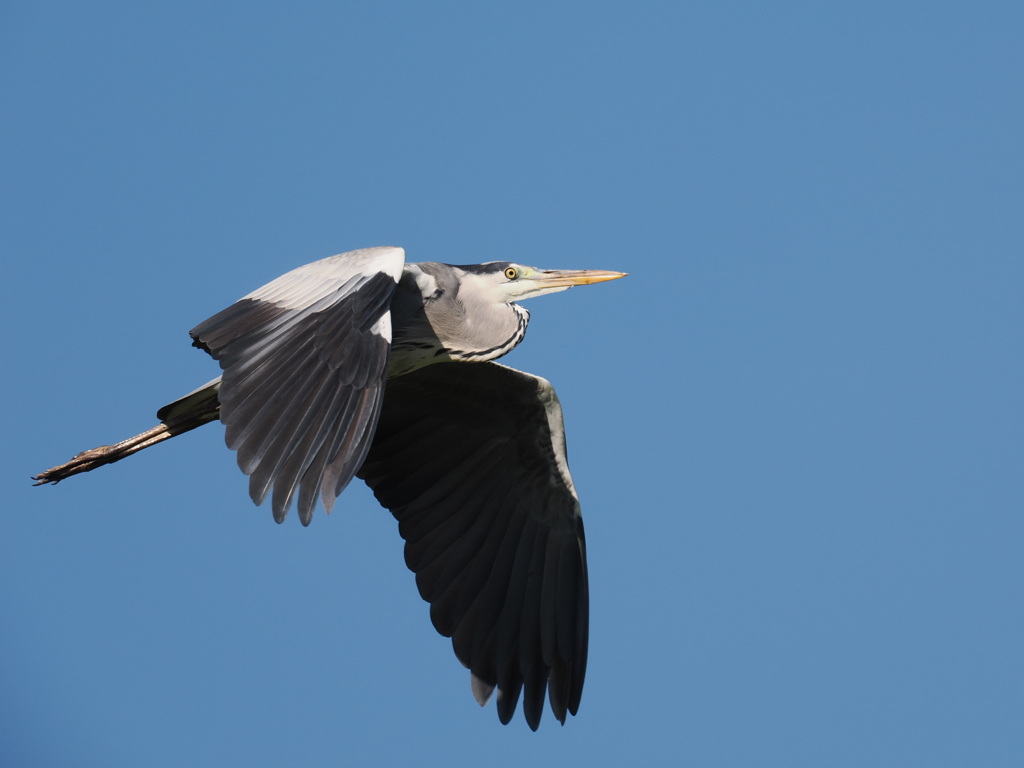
(356, 365)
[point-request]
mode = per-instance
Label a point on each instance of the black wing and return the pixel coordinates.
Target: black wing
(470, 458)
(304, 360)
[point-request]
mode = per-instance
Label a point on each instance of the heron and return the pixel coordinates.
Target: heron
(363, 365)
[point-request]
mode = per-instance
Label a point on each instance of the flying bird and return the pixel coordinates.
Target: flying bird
(361, 365)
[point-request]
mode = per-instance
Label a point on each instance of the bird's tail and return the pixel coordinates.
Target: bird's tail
(183, 415)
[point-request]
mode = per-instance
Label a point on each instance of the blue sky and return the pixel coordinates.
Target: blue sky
(796, 428)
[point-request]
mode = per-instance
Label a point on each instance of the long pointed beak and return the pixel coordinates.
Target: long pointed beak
(557, 278)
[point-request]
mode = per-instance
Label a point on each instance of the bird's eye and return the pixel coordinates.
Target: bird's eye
(511, 273)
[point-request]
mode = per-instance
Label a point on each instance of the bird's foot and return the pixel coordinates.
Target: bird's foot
(81, 462)
(107, 454)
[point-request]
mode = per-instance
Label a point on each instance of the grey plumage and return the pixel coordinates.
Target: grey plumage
(357, 365)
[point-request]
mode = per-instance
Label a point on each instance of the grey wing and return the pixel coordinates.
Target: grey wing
(470, 458)
(304, 360)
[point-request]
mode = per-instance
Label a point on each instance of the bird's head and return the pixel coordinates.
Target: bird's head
(505, 281)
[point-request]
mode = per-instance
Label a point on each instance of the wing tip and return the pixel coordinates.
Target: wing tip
(482, 690)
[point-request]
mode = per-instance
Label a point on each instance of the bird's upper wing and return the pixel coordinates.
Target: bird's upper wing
(470, 458)
(304, 360)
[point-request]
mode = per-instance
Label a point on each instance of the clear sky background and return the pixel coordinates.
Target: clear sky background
(797, 428)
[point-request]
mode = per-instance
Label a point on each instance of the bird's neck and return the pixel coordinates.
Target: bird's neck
(486, 332)
(433, 324)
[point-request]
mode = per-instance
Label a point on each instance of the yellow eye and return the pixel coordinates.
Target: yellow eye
(511, 273)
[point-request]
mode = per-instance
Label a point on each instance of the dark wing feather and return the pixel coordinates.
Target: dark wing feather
(470, 458)
(304, 360)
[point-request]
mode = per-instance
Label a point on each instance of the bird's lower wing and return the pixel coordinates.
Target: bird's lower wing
(470, 458)
(304, 360)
